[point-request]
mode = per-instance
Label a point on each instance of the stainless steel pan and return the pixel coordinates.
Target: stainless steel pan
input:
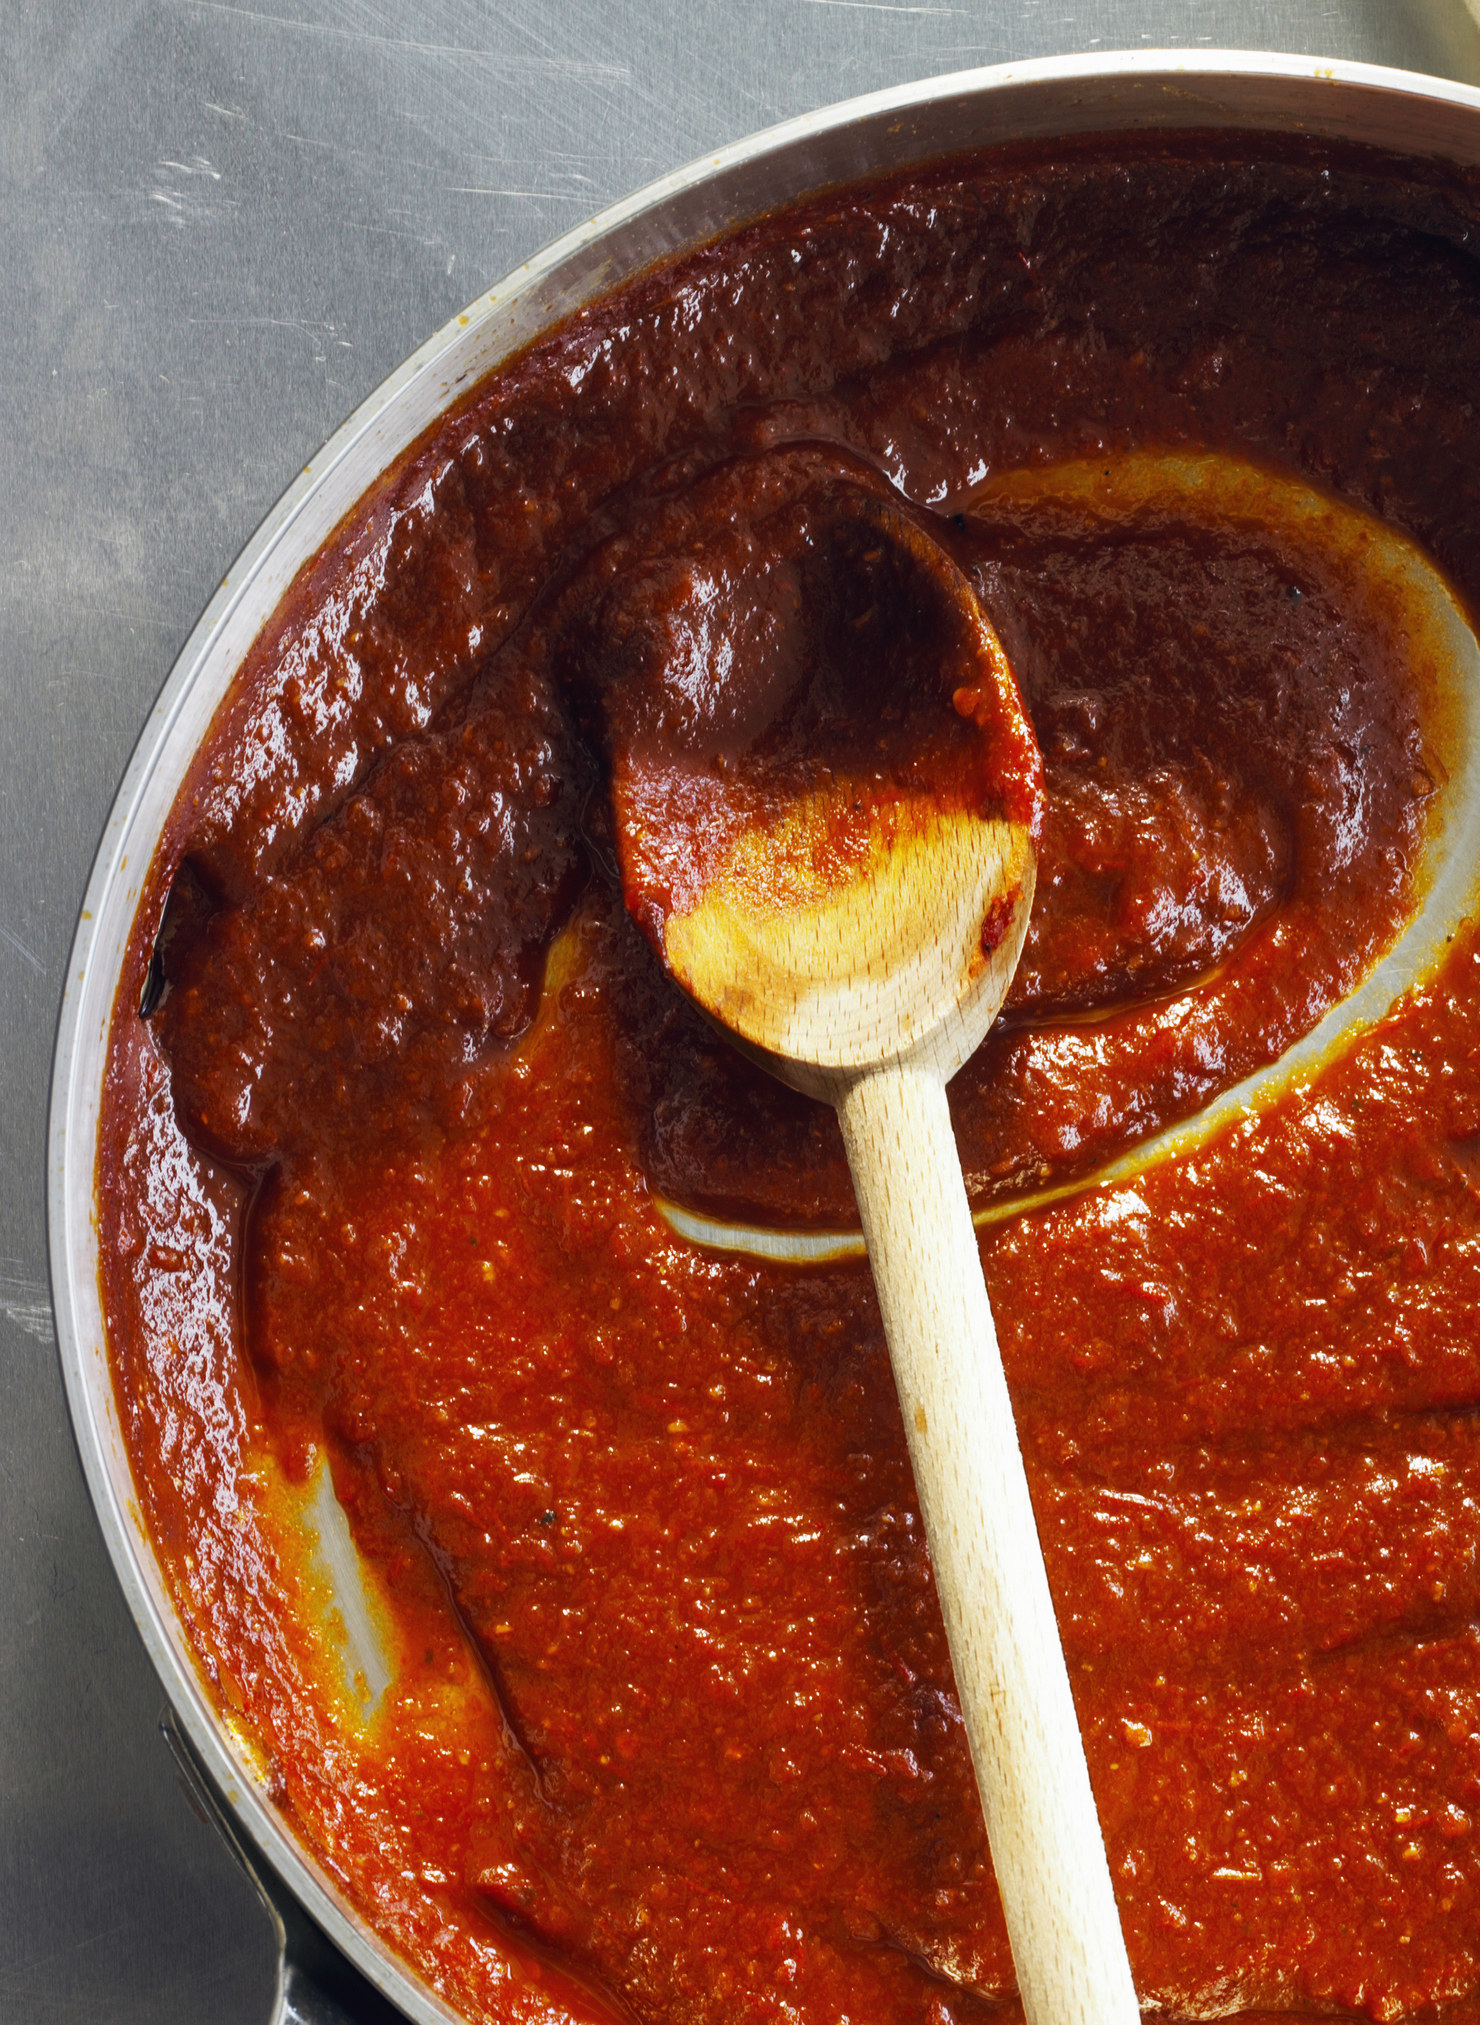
(862, 137)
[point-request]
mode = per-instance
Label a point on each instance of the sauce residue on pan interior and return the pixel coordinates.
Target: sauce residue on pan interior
(662, 1725)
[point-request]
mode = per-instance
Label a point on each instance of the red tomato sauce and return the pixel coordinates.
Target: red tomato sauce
(672, 1734)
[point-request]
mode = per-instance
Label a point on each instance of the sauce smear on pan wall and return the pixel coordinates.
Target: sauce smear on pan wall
(665, 1728)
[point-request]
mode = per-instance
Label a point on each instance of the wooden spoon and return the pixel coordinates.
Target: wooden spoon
(851, 913)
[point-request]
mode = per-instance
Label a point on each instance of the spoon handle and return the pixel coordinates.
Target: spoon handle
(1044, 1832)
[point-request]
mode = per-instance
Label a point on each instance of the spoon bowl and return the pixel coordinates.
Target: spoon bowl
(866, 919)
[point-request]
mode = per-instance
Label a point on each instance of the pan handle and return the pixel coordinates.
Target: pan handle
(315, 1983)
(300, 2001)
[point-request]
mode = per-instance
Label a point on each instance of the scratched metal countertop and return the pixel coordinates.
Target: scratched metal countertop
(221, 225)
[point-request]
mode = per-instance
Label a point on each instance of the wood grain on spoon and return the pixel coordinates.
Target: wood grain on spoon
(826, 795)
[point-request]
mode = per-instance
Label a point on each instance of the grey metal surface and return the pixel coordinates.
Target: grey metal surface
(220, 227)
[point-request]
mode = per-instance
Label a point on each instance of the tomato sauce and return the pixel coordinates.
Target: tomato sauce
(670, 1732)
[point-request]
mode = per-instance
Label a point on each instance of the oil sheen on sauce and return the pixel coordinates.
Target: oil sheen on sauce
(669, 1732)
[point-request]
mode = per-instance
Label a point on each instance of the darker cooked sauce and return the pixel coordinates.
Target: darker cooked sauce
(673, 1734)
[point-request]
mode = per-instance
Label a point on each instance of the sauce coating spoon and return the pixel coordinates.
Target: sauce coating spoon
(826, 795)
